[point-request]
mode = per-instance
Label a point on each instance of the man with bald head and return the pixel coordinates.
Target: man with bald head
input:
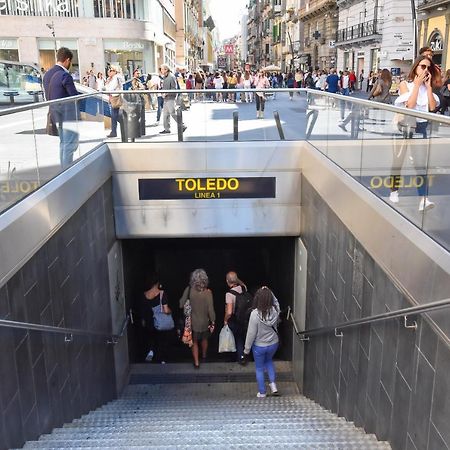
(235, 287)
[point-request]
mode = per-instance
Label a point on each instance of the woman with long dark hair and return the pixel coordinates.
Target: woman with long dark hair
(262, 338)
(381, 89)
(416, 93)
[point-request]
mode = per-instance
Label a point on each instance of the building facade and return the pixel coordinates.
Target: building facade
(434, 30)
(94, 30)
(293, 31)
(373, 35)
(320, 20)
(189, 34)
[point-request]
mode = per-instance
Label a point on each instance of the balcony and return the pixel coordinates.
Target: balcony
(366, 31)
(316, 8)
(427, 5)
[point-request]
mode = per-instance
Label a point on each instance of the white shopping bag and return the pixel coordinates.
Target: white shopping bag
(226, 340)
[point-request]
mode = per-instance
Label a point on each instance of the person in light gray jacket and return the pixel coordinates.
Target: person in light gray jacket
(262, 338)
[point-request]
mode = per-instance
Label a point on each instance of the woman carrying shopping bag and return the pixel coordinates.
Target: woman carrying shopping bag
(262, 338)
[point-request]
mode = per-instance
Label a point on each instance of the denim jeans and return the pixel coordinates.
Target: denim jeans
(239, 338)
(114, 120)
(263, 361)
(160, 108)
(68, 144)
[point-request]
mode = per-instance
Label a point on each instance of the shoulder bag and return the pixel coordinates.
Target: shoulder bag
(378, 89)
(161, 320)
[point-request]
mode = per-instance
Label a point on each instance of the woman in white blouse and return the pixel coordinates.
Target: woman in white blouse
(114, 83)
(416, 93)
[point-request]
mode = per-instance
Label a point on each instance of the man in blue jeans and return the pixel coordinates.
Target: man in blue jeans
(58, 83)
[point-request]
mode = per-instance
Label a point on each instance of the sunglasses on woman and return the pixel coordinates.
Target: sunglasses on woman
(424, 66)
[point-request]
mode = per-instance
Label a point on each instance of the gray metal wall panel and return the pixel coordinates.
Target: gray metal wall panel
(245, 220)
(218, 217)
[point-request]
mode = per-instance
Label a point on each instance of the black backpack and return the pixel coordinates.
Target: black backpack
(242, 306)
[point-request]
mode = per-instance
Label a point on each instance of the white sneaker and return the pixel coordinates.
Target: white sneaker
(425, 204)
(393, 197)
(149, 356)
(259, 395)
(273, 388)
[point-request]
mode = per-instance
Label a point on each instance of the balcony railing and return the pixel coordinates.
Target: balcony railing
(361, 30)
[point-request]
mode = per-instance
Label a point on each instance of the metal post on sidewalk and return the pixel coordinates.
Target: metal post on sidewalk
(279, 127)
(180, 124)
(236, 126)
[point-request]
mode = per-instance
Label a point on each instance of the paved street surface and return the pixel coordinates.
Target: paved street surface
(364, 147)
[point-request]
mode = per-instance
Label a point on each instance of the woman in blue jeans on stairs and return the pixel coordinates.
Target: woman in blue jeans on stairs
(262, 338)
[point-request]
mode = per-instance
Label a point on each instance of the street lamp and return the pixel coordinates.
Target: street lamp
(51, 26)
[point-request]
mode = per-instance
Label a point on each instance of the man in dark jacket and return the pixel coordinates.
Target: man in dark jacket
(58, 83)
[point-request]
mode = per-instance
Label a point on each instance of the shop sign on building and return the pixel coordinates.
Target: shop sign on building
(436, 42)
(228, 49)
(36, 7)
(8, 44)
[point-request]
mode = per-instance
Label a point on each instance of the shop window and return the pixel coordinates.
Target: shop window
(375, 59)
(9, 55)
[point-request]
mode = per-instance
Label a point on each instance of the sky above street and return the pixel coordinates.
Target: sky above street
(227, 15)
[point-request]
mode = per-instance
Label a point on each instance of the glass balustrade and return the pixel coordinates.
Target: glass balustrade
(402, 161)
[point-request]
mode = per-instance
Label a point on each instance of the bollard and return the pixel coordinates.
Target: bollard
(279, 127)
(180, 124)
(235, 126)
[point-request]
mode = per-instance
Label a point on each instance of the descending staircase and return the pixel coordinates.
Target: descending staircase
(201, 410)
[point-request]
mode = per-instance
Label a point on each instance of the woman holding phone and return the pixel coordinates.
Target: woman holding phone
(416, 93)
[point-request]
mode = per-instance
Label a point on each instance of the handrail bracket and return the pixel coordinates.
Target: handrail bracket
(412, 326)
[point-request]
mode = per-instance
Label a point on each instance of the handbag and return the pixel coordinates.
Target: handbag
(51, 129)
(116, 101)
(378, 90)
(404, 121)
(186, 337)
(161, 320)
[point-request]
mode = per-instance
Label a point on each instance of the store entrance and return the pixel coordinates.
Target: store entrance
(258, 261)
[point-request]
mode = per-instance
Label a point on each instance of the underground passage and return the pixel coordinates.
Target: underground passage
(257, 261)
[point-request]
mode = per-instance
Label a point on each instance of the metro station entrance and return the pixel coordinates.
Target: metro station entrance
(258, 261)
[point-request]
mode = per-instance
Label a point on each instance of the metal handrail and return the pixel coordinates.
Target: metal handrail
(381, 106)
(413, 310)
(68, 332)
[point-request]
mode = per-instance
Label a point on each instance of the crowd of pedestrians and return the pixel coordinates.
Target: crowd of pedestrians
(253, 321)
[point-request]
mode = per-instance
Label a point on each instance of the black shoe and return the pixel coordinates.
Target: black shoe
(184, 128)
(164, 132)
(110, 135)
(196, 366)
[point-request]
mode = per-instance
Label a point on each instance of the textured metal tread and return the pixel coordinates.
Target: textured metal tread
(145, 378)
(280, 444)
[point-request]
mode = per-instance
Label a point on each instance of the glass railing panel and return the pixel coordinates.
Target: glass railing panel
(319, 109)
(436, 217)
(19, 171)
(394, 160)
(90, 124)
